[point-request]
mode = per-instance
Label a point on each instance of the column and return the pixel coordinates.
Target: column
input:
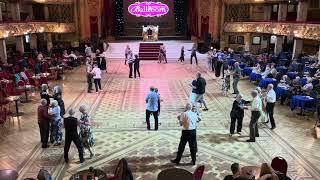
(0, 14)
(49, 42)
(222, 38)
(247, 42)
(33, 41)
(46, 12)
(214, 19)
(297, 48)
(278, 45)
(3, 50)
(267, 12)
(19, 44)
(282, 12)
(15, 11)
(302, 11)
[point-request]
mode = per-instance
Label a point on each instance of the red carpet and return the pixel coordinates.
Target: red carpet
(149, 51)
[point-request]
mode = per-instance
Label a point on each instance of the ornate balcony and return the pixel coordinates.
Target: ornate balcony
(51, 1)
(22, 28)
(251, 1)
(298, 30)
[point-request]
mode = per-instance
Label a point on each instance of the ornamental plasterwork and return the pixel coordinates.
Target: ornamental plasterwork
(249, 1)
(301, 30)
(18, 29)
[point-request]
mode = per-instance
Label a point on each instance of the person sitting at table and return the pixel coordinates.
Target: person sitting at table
(73, 55)
(40, 56)
(267, 71)
(307, 88)
(286, 79)
(17, 77)
(70, 124)
(43, 122)
(24, 77)
(54, 112)
(257, 69)
(267, 173)
(65, 54)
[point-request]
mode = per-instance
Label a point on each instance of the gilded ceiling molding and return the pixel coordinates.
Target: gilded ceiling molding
(298, 30)
(52, 1)
(18, 29)
(250, 1)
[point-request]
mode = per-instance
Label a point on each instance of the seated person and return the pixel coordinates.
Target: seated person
(308, 87)
(238, 174)
(73, 55)
(267, 71)
(257, 69)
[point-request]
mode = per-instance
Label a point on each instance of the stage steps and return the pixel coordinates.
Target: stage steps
(149, 51)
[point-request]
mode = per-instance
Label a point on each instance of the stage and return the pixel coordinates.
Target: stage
(116, 49)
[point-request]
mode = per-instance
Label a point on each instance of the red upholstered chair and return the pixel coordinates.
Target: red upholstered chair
(43, 80)
(12, 91)
(45, 67)
(198, 173)
(280, 164)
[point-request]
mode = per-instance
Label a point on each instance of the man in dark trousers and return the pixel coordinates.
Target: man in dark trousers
(152, 108)
(256, 108)
(71, 127)
(136, 66)
(44, 122)
(198, 91)
(237, 114)
(188, 121)
(130, 63)
(193, 54)
(271, 101)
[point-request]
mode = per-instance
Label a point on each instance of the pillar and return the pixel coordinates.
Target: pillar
(3, 50)
(297, 48)
(222, 38)
(247, 42)
(49, 42)
(0, 14)
(302, 13)
(282, 12)
(15, 11)
(278, 45)
(267, 12)
(33, 41)
(214, 19)
(46, 12)
(19, 44)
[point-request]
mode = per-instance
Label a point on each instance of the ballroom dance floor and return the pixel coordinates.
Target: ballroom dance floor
(118, 115)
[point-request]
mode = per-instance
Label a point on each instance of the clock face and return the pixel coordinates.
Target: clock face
(148, 9)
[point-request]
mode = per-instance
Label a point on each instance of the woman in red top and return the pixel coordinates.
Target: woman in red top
(44, 122)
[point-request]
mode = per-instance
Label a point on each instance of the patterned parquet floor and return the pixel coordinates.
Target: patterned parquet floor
(118, 115)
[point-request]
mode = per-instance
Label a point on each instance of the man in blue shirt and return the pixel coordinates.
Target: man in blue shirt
(152, 107)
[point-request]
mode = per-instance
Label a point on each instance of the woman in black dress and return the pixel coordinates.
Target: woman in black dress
(136, 65)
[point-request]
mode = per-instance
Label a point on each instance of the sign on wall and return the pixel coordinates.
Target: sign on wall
(148, 9)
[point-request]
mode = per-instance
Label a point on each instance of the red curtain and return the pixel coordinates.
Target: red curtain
(193, 18)
(108, 16)
(94, 25)
(204, 26)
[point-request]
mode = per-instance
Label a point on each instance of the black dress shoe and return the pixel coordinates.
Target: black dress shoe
(257, 135)
(272, 128)
(82, 160)
(266, 122)
(193, 162)
(249, 140)
(175, 161)
(206, 109)
(45, 146)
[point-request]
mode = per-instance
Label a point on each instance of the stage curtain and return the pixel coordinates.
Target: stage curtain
(94, 25)
(193, 18)
(204, 26)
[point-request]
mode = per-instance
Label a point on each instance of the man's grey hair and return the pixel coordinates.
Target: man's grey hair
(54, 103)
(71, 112)
(43, 102)
(83, 108)
(255, 93)
(270, 86)
(188, 106)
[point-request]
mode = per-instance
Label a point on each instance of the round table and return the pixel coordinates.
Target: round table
(255, 76)
(247, 71)
(264, 82)
(301, 101)
(280, 91)
(8, 174)
(175, 174)
(96, 173)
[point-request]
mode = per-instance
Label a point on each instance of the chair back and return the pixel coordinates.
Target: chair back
(43, 80)
(21, 83)
(198, 173)
(280, 164)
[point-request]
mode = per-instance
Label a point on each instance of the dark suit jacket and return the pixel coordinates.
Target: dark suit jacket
(236, 111)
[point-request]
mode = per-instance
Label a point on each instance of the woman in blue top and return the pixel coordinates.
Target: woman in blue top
(54, 111)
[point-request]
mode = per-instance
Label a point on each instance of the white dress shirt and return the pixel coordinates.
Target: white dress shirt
(97, 73)
(271, 96)
(188, 120)
(256, 104)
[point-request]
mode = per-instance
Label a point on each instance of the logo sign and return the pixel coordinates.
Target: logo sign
(148, 9)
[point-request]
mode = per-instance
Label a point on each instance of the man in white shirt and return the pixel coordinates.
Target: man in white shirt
(256, 107)
(271, 100)
(188, 121)
(96, 77)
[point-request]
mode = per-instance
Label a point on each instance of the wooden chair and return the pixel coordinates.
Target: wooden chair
(198, 173)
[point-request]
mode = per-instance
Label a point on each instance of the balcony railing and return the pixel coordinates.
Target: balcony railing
(23, 28)
(51, 1)
(298, 30)
(251, 1)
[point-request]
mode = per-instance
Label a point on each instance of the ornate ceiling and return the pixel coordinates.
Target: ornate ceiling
(298, 30)
(18, 29)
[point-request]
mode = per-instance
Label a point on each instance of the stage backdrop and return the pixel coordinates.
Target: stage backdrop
(133, 25)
